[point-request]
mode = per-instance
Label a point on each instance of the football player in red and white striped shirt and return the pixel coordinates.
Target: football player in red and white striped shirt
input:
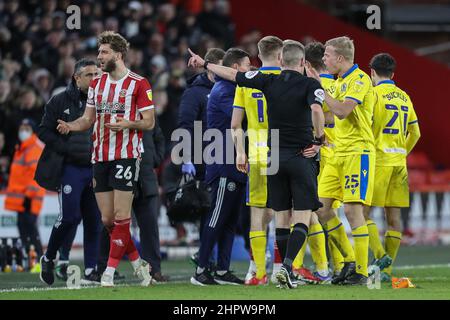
(119, 106)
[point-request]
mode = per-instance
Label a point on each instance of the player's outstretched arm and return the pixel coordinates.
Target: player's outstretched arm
(413, 136)
(81, 124)
(224, 72)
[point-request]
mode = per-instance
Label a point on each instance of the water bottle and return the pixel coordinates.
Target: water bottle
(32, 257)
(8, 252)
(13, 259)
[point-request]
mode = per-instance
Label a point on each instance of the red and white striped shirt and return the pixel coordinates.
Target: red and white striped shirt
(125, 98)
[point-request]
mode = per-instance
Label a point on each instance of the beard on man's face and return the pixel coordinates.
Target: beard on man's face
(109, 66)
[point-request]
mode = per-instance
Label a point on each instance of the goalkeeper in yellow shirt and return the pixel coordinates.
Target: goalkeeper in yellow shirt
(396, 131)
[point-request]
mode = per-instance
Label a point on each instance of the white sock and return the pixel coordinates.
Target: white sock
(252, 267)
(110, 271)
(323, 273)
(136, 263)
(276, 267)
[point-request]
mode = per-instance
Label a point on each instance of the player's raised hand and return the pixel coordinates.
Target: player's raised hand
(195, 61)
(242, 162)
(119, 125)
(63, 127)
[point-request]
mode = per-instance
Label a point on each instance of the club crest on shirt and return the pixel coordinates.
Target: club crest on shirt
(231, 186)
(67, 189)
(344, 87)
(251, 74)
(122, 93)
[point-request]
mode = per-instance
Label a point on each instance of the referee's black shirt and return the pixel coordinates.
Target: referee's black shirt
(289, 97)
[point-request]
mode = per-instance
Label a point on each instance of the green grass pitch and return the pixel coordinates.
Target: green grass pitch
(428, 267)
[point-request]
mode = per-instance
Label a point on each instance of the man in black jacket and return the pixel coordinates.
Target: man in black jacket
(145, 205)
(65, 167)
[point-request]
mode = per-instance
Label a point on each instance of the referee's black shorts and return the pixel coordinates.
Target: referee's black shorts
(294, 185)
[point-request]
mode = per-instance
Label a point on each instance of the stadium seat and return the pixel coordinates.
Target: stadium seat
(419, 160)
(439, 181)
(418, 180)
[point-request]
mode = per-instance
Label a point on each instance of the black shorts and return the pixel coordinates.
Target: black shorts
(120, 175)
(294, 185)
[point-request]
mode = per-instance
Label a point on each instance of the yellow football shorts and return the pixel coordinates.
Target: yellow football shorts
(323, 160)
(348, 178)
(392, 187)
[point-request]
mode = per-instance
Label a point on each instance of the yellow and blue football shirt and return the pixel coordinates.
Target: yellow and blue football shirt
(253, 102)
(393, 114)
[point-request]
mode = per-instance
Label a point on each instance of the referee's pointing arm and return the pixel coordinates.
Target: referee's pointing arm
(224, 72)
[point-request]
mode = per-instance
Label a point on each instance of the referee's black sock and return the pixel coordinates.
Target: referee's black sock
(282, 236)
(297, 238)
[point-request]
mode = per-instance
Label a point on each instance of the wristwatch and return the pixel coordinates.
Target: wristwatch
(318, 141)
(205, 65)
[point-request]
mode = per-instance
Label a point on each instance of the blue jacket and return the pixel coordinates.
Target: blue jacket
(219, 112)
(193, 108)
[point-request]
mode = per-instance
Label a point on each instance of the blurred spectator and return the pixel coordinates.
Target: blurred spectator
(66, 70)
(42, 82)
(27, 105)
(4, 163)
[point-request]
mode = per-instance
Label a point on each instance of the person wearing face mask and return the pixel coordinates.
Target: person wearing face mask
(65, 167)
(23, 194)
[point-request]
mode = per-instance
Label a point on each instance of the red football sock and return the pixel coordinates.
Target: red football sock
(120, 238)
(131, 250)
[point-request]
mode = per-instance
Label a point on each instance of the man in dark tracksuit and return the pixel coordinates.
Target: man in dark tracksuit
(227, 184)
(193, 108)
(65, 166)
(145, 205)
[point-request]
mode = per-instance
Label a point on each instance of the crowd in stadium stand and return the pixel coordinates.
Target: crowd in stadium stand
(38, 52)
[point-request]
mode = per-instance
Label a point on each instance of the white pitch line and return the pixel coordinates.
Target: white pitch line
(37, 289)
(423, 266)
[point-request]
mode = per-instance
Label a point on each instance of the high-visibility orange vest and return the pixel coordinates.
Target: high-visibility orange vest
(21, 182)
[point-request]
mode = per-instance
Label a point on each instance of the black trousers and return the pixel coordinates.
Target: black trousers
(29, 232)
(146, 212)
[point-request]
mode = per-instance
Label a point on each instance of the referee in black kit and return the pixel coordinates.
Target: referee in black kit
(294, 108)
